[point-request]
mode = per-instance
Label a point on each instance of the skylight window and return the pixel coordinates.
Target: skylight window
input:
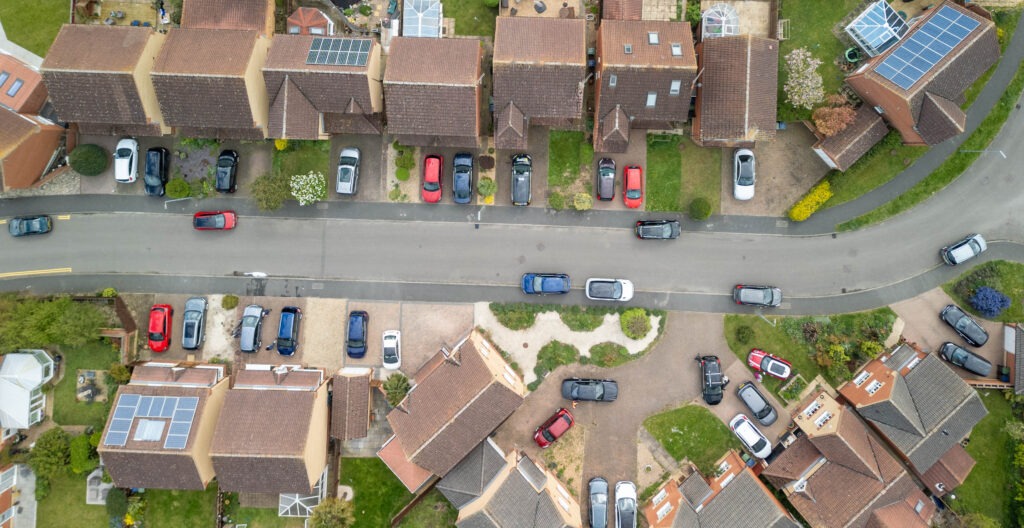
(13, 90)
(149, 430)
(3, 77)
(652, 38)
(677, 49)
(627, 49)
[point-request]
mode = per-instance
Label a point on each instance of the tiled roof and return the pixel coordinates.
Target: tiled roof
(622, 10)
(291, 115)
(31, 95)
(510, 128)
(902, 489)
(255, 15)
(415, 60)
(792, 462)
(14, 128)
(940, 119)
(616, 35)
(846, 147)
(205, 52)
(896, 515)
(744, 503)
(81, 47)
(146, 374)
(850, 446)
(350, 406)
(288, 54)
(695, 489)
(518, 504)
(613, 132)
(412, 476)
(536, 40)
(951, 470)
(739, 88)
(308, 380)
(470, 477)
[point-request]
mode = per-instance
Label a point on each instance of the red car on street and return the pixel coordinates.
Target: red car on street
(433, 165)
(633, 186)
(553, 428)
(214, 220)
(772, 365)
(160, 327)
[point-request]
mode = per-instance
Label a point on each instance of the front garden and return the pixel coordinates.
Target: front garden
(670, 188)
(692, 432)
(569, 170)
(1005, 277)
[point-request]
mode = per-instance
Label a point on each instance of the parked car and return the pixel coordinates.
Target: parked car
(288, 330)
(751, 436)
(158, 164)
(772, 365)
(29, 225)
(348, 171)
(553, 428)
(160, 327)
(126, 161)
(193, 323)
(598, 488)
(625, 504)
(579, 389)
(971, 246)
(711, 379)
(392, 349)
(252, 323)
(657, 229)
(355, 344)
(462, 178)
(965, 359)
(609, 290)
(767, 296)
(226, 179)
(744, 174)
(545, 283)
(522, 179)
(757, 403)
(633, 186)
(214, 220)
(965, 325)
(433, 165)
(606, 179)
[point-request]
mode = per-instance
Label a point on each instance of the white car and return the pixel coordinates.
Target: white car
(625, 504)
(744, 174)
(126, 161)
(609, 290)
(971, 246)
(751, 437)
(348, 171)
(392, 349)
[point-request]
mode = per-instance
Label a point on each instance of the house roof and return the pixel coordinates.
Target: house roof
(150, 374)
(14, 129)
(414, 61)
(939, 119)
(20, 374)
(29, 95)
(97, 48)
(622, 10)
(896, 515)
(255, 15)
(412, 476)
(537, 40)
(744, 502)
(846, 147)
(794, 460)
(951, 470)
(739, 88)
(511, 127)
(695, 489)
(617, 35)
(283, 378)
(206, 52)
(613, 132)
(289, 53)
(518, 502)
(350, 406)
(470, 477)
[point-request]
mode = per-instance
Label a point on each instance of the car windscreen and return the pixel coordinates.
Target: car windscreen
(156, 336)
(633, 194)
(124, 153)
(390, 353)
(347, 162)
(225, 162)
(746, 171)
(431, 185)
(250, 321)
(212, 221)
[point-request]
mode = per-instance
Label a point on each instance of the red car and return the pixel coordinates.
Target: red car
(160, 327)
(433, 165)
(553, 428)
(769, 364)
(633, 186)
(214, 220)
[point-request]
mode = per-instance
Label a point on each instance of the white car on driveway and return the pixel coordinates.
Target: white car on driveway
(126, 161)
(392, 349)
(744, 174)
(348, 171)
(751, 437)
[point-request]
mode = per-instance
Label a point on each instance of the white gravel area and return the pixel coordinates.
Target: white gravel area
(67, 183)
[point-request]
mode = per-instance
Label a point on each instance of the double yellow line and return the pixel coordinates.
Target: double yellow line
(30, 273)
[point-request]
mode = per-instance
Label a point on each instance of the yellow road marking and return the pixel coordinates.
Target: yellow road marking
(28, 273)
(64, 217)
(4, 221)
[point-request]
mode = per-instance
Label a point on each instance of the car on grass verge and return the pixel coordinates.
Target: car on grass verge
(744, 174)
(252, 323)
(757, 403)
(522, 179)
(462, 178)
(545, 283)
(657, 229)
(965, 359)
(580, 389)
(160, 327)
(288, 330)
(433, 165)
(609, 290)
(770, 364)
(633, 186)
(226, 178)
(751, 436)
(606, 179)
(965, 325)
(214, 220)
(348, 171)
(767, 296)
(20, 226)
(553, 428)
(126, 161)
(158, 164)
(355, 343)
(971, 246)
(711, 379)
(598, 488)
(625, 504)
(392, 349)
(193, 323)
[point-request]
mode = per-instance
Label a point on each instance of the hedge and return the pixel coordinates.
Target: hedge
(89, 160)
(811, 202)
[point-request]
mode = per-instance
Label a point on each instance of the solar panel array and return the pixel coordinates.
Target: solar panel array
(421, 18)
(877, 28)
(339, 51)
(181, 411)
(926, 47)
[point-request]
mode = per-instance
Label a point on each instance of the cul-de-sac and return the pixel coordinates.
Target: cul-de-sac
(511, 264)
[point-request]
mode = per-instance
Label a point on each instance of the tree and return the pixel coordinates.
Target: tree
(871, 349)
(333, 512)
(120, 373)
(89, 160)
(117, 503)
(309, 188)
(803, 86)
(835, 116)
(83, 456)
(269, 191)
(30, 322)
(1015, 429)
(178, 188)
(989, 302)
(51, 454)
(396, 387)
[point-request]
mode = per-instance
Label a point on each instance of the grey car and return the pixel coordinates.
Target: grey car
(252, 323)
(965, 359)
(757, 403)
(971, 246)
(756, 295)
(348, 171)
(577, 389)
(462, 178)
(193, 323)
(606, 179)
(522, 175)
(965, 325)
(598, 502)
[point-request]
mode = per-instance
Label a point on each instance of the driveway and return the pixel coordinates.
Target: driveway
(636, 154)
(538, 151)
(372, 185)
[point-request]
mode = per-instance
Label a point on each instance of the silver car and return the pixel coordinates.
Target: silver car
(625, 504)
(744, 174)
(193, 323)
(348, 171)
(252, 323)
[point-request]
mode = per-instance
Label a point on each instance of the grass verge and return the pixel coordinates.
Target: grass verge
(989, 488)
(378, 493)
(66, 409)
(33, 24)
(181, 509)
(301, 157)
(1007, 277)
(434, 511)
(472, 17)
(65, 505)
(669, 188)
(692, 432)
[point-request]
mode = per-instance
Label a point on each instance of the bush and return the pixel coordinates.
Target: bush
(582, 201)
(108, 293)
(608, 355)
(269, 191)
(178, 188)
(635, 323)
(871, 349)
(700, 208)
(201, 188)
(309, 188)
(82, 455)
(94, 439)
(989, 302)
(120, 373)
(515, 316)
(581, 318)
(209, 144)
(89, 160)
(117, 503)
(486, 187)
(42, 488)
(229, 302)
(744, 334)
(365, 10)
(554, 355)
(51, 454)
(491, 3)
(693, 13)
(556, 201)
(280, 144)
(396, 387)
(811, 202)
(803, 86)
(402, 174)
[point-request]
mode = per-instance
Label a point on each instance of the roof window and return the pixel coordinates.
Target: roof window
(3, 77)
(652, 38)
(627, 49)
(677, 49)
(15, 86)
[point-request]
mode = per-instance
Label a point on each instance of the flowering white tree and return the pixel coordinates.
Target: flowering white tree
(803, 82)
(309, 188)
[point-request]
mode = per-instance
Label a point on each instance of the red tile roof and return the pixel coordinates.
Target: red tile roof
(31, 95)
(737, 99)
(256, 15)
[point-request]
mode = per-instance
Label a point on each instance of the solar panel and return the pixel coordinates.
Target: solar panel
(878, 28)
(926, 47)
(180, 410)
(339, 51)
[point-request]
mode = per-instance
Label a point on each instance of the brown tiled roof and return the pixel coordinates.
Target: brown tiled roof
(14, 129)
(350, 406)
(205, 52)
(335, 123)
(896, 515)
(412, 476)
(940, 119)
(622, 10)
(901, 489)
(81, 47)
(850, 445)
(951, 470)
(415, 60)
(613, 132)
(536, 40)
(288, 54)
(308, 380)
(291, 115)
(789, 465)
(307, 17)
(846, 147)
(738, 97)
(255, 15)
(617, 34)
(32, 94)
(510, 128)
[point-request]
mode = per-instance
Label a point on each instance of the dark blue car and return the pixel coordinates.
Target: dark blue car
(545, 283)
(356, 344)
(462, 178)
(288, 330)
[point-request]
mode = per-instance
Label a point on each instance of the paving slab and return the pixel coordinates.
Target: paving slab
(383, 316)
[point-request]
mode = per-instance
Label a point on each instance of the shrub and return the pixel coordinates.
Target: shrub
(811, 202)
(835, 116)
(700, 208)
(269, 191)
(229, 302)
(108, 293)
(333, 512)
(309, 188)
(581, 318)
(608, 355)
(556, 201)
(396, 387)
(365, 10)
(117, 503)
(582, 201)
(989, 302)
(635, 323)
(693, 13)
(871, 349)
(395, 194)
(120, 373)
(402, 174)
(51, 454)
(280, 144)
(554, 355)
(82, 455)
(42, 488)
(744, 334)
(178, 188)
(201, 188)
(89, 160)
(486, 187)
(515, 316)
(94, 439)
(349, 11)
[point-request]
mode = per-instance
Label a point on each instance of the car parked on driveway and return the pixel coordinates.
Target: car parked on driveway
(744, 174)
(580, 389)
(462, 178)
(711, 379)
(29, 225)
(288, 330)
(391, 349)
(657, 229)
(522, 179)
(766, 296)
(160, 327)
(430, 191)
(770, 364)
(633, 186)
(965, 359)
(606, 179)
(545, 283)
(355, 343)
(553, 428)
(158, 164)
(625, 504)
(193, 323)
(126, 161)
(252, 324)
(965, 325)
(226, 179)
(348, 171)
(598, 488)
(214, 220)
(757, 403)
(609, 290)
(971, 246)
(751, 436)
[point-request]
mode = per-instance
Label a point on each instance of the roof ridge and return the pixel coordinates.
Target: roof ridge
(938, 426)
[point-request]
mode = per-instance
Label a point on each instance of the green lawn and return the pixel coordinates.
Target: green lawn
(878, 166)
(65, 505)
(669, 186)
(33, 24)
(301, 157)
(378, 493)
(434, 511)
(1007, 277)
(472, 17)
(181, 509)
(989, 488)
(569, 154)
(772, 339)
(66, 409)
(692, 432)
(265, 518)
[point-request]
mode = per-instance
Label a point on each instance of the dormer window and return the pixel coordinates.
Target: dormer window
(627, 49)
(652, 38)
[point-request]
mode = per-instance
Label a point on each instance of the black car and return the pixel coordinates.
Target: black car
(355, 345)
(767, 296)
(158, 164)
(577, 389)
(462, 178)
(657, 229)
(711, 378)
(227, 169)
(606, 179)
(522, 176)
(965, 325)
(965, 359)
(757, 403)
(29, 225)
(598, 488)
